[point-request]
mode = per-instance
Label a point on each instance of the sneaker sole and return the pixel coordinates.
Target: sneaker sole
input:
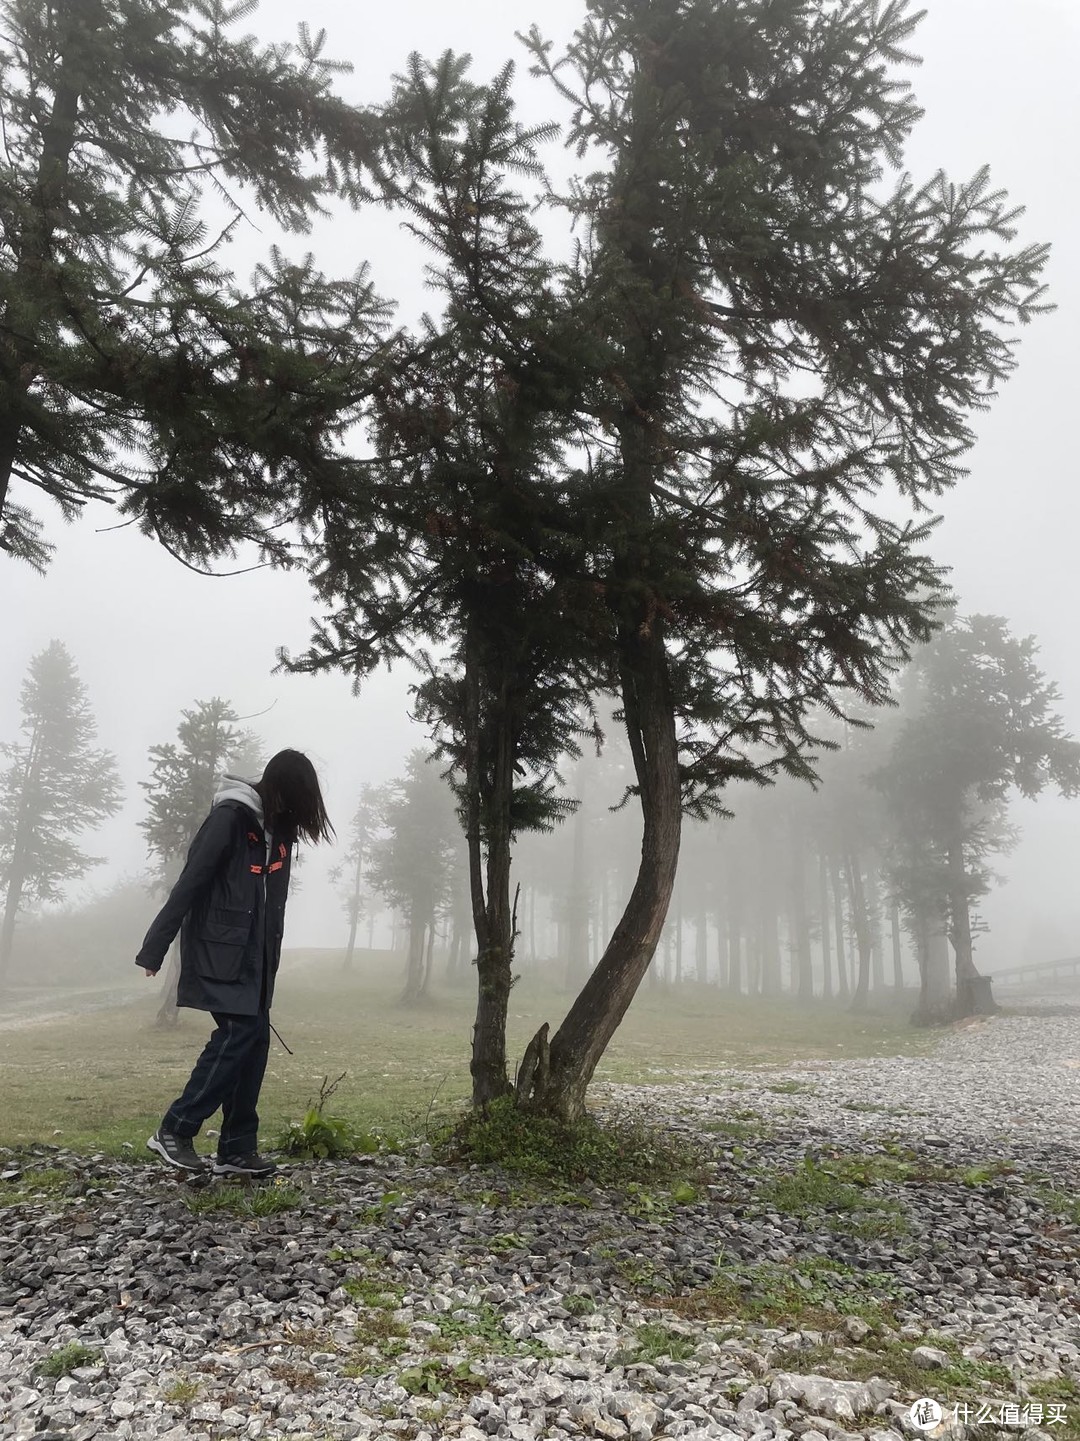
(153, 1144)
(225, 1168)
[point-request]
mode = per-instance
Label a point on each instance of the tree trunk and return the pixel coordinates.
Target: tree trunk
(414, 965)
(897, 960)
(932, 953)
(734, 928)
(862, 932)
(29, 803)
(569, 1061)
(577, 918)
(800, 924)
(354, 910)
(873, 912)
(12, 900)
(678, 943)
(771, 979)
(838, 931)
(960, 915)
(489, 880)
(826, 956)
(428, 959)
(701, 945)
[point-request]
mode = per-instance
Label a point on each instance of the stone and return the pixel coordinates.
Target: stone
(823, 1396)
(856, 1329)
(930, 1358)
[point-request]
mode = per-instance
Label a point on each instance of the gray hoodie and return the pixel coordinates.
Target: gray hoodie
(235, 788)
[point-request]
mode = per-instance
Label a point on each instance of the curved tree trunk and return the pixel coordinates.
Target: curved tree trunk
(558, 1072)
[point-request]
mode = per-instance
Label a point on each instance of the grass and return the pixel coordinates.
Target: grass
(66, 1359)
(809, 1291)
(72, 1081)
(481, 1332)
(961, 1380)
(612, 1151)
(246, 1201)
(654, 1341)
(1060, 1203)
(182, 1392)
(821, 1191)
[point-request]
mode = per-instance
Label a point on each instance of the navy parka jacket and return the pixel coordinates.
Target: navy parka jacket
(229, 907)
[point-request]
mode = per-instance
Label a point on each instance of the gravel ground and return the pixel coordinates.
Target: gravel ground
(867, 1232)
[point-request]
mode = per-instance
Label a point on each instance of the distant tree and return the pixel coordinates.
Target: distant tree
(184, 776)
(134, 367)
(979, 726)
(57, 784)
(411, 865)
(362, 837)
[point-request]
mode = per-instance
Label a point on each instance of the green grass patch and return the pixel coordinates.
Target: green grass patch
(182, 1392)
(654, 1341)
(579, 1305)
(246, 1201)
(407, 1069)
(808, 1290)
(432, 1377)
(819, 1190)
(481, 1332)
(1060, 1203)
(961, 1380)
(377, 1329)
(1062, 1391)
(738, 1127)
(614, 1151)
(66, 1359)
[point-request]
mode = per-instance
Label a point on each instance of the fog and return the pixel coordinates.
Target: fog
(150, 637)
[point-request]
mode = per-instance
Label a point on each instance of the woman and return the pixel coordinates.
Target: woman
(229, 906)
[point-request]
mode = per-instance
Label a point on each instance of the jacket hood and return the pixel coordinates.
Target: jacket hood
(234, 788)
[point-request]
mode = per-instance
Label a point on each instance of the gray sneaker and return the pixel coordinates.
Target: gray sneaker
(250, 1165)
(176, 1151)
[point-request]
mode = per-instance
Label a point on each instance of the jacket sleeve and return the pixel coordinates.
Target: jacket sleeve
(204, 858)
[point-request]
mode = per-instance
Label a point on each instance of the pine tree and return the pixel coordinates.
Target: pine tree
(653, 474)
(452, 553)
(411, 866)
(57, 784)
(780, 335)
(362, 835)
(180, 792)
(979, 726)
(134, 366)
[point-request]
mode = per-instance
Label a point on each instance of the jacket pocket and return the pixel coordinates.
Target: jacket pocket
(224, 936)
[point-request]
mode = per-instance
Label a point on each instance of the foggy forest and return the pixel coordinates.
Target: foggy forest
(538, 759)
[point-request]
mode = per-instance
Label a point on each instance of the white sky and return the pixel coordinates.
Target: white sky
(998, 85)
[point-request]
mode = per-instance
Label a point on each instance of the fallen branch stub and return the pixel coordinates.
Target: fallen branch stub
(532, 1077)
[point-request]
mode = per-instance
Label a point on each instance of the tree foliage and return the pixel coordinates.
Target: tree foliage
(57, 783)
(135, 366)
(655, 473)
(411, 865)
(185, 774)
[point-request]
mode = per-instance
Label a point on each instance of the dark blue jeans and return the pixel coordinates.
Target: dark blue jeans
(229, 1074)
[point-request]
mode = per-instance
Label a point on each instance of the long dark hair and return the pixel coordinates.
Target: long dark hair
(292, 800)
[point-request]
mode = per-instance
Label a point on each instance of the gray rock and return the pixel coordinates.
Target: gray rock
(930, 1358)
